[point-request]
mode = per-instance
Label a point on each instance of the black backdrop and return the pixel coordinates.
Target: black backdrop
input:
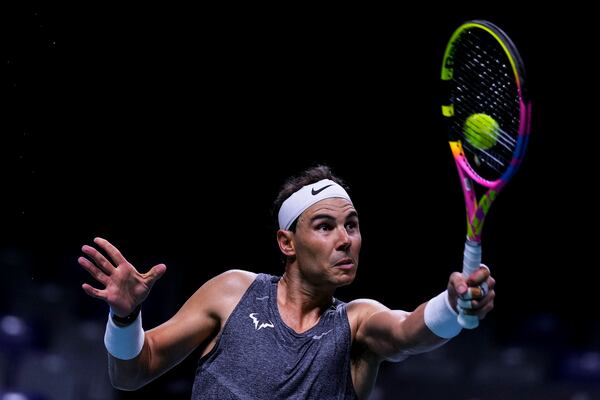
(169, 131)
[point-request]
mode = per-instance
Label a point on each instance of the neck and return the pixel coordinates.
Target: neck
(300, 303)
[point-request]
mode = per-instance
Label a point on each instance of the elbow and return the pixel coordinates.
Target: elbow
(124, 388)
(401, 353)
(402, 350)
(126, 379)
(408, 343)
(397, 356)
(124, 384)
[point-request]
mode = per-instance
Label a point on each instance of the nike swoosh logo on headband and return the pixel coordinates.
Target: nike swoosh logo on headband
(316, 192)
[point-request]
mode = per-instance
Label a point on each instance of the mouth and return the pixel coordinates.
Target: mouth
(344, 263)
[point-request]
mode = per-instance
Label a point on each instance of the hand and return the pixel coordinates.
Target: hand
(125, 287)
(475, 294)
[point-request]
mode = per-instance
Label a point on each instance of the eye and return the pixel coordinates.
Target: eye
(324, 227)
(352, 225)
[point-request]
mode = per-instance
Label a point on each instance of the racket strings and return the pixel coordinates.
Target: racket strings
(484, 83)
(488, 85)
(489, 77)
(496, 90)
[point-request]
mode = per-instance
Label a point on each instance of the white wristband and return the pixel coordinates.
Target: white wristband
(126, 342)
(441, 318)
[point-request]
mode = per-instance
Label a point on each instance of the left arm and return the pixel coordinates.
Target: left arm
(394, 335)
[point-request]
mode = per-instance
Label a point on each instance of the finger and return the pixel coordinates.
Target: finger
(473, 307)
(100, 261)
(156, 272)
(476, 292)
(93, 270)
(93, 292)
(479, 276)
(489, 298)
(480, 312)
(114, 254)
(458, 283)
(485, 310)
(464, 304)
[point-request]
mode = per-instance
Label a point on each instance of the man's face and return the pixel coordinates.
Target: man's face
(328, 240)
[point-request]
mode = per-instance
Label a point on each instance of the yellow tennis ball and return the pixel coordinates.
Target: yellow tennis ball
(481, 131)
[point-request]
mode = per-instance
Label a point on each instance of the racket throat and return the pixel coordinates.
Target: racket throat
(476, 215)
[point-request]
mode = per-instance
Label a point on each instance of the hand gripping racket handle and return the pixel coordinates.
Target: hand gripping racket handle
(471, 262)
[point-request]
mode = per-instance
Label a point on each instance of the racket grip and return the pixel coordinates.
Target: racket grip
(471, 262)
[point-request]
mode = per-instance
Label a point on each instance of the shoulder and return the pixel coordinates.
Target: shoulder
(220, 294)
(361, 309)
(236, 276)
(231, 282)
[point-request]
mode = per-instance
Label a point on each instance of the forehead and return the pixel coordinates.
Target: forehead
(331, 206)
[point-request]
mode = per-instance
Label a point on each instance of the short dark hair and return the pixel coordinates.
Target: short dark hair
(295, 183)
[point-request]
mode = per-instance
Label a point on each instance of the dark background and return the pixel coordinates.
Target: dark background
(169, 131)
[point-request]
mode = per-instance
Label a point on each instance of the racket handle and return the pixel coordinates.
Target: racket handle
(471, 262)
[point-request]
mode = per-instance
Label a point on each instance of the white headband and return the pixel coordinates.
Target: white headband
(299, 201)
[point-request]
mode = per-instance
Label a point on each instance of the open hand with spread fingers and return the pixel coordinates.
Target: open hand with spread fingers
(124, 287)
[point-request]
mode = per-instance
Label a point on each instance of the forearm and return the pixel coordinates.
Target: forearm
(127, 374)
(395, 334)
(128, 354)
(135, 361)
(413, 336)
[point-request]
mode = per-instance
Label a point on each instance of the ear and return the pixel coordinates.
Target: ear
(285, 240)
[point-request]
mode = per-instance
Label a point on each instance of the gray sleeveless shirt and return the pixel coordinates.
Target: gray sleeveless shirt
(259, 357)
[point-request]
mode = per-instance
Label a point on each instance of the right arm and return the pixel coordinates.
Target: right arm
(394, 335)
(199, 319)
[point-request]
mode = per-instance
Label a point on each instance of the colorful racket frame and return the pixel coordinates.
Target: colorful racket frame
(477, 211)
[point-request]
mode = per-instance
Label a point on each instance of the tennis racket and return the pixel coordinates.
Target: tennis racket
(488, 115)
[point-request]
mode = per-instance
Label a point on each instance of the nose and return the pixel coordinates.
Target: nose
(344, 241)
